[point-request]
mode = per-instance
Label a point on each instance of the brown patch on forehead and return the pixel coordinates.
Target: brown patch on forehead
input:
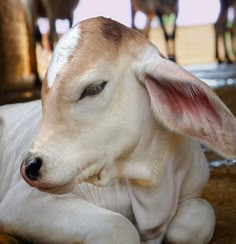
(112, 30)
(100, 41)
(103, 32)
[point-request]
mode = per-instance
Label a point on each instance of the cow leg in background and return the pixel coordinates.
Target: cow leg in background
(132, 16)
(233, 36)
(217, 55)
(146, 29)
(33, 55)
(172, 38)
(169, 38)
(54, 218)
(194, 217)
(226, 49)
(70, 21)
(221, 31)
(220, 28)
(52, 36)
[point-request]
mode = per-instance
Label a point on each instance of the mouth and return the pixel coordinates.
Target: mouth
(60, 189)
(69, 187)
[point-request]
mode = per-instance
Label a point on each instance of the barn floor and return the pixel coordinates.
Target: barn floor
(221, 193)
(221, 189)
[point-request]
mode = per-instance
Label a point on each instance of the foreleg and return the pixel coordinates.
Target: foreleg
(47, 218)
(193, 223)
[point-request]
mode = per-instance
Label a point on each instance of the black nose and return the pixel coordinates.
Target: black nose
(32, 167)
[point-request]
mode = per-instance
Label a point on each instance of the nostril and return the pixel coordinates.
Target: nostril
(32, 168)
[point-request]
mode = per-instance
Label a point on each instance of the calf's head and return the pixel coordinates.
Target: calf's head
(111, 104)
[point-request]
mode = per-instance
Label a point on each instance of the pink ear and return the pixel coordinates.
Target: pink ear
(182, 100)
(186, 105)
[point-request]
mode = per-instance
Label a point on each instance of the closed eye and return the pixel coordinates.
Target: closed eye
(93, 90)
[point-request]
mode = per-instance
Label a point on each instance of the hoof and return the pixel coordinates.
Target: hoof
(229, 61)
(172, 58)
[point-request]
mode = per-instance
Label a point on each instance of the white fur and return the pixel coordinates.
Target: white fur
(64, 48)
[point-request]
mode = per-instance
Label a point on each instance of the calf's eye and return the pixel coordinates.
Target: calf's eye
(93, 90)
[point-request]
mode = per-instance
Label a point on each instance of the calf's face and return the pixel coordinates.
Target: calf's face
(92, 111)
(106, 93)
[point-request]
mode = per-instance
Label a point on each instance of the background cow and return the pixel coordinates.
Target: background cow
(158, 8)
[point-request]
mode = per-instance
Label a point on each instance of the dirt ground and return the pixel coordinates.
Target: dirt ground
(221, 193)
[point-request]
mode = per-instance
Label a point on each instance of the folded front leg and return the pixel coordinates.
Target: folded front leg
(193, 223)
(42, 217)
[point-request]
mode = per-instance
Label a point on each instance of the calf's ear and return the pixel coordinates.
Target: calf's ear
(185, 104)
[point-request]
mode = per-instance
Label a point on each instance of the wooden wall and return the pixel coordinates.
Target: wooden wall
(15, 67)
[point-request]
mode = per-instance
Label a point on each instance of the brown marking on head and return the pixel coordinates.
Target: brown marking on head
(101, 41)
(111, 30)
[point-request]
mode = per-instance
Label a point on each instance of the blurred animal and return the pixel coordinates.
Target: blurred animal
(234, 28)
(117, 137)
(53, 9)
(224, 32)
(160, 8)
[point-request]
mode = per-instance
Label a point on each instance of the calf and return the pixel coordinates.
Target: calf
(112, 155)
(158, 8)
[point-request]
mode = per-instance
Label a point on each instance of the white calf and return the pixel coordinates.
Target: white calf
(117, 114)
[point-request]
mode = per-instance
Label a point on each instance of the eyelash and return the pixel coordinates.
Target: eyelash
(93, 90)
